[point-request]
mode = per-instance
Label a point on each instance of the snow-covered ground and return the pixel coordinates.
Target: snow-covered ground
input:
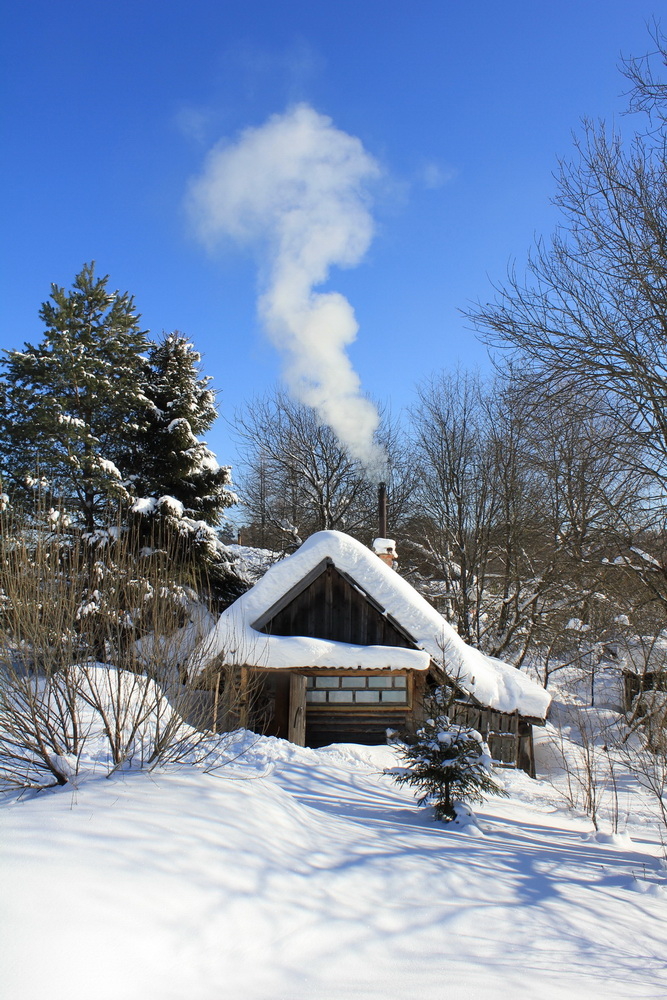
(291, 873)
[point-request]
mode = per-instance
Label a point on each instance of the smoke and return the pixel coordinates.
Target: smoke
(297, 188)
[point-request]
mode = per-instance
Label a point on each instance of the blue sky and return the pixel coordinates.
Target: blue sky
(110, 109)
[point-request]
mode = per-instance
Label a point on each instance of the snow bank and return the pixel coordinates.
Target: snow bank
(298, 874)
(492, 682)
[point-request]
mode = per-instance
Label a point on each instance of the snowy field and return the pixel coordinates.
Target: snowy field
(292, 873)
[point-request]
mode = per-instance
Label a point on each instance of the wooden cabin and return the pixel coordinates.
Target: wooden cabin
(332, 645)
(636, 684)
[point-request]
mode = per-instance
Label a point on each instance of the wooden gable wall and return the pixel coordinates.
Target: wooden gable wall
(331, 607)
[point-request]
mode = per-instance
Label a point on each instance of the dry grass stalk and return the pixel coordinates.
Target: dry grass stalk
(93, 639)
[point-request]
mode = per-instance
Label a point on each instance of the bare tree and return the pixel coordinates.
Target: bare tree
(297, 478)
(590, 317)
(519, 504)
(648, 95)
(482, 527)
(521, 574)
(587, 329)
(454, 497)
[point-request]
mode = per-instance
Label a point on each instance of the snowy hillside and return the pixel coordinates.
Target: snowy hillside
(296, 874)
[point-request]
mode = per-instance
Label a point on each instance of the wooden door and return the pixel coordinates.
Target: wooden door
(297, 710)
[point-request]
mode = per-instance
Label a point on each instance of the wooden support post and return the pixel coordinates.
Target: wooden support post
(216, 701)
(244, 707)
(297, 709)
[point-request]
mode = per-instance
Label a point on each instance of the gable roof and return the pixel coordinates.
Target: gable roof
(237, 640)
(329, 604)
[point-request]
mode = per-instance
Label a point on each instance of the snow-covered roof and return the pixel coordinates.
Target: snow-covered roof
(648, 654)
(493, 683)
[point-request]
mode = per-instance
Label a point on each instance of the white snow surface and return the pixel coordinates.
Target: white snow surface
(494, 683)
(384, 545)
(294, 874)
(144, 505)
(275, 652)
(109, 467)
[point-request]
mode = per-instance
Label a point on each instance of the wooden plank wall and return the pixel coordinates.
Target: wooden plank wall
(499, 730)
(331, 608)
(367, 728)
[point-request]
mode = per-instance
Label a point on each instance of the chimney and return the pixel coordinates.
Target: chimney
(384, 547)
(382, 510)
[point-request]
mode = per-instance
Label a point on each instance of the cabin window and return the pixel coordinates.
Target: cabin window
(345, 690)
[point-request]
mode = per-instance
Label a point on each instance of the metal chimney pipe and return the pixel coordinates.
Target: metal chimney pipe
(382, 510)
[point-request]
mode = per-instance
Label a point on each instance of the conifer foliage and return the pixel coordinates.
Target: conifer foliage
(105, 423)
(181, 490)
(448, 763)
(171, 458)
(72, 401)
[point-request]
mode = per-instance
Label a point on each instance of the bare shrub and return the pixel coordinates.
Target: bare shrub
(650, 768)
(93, 640)
(580, 746)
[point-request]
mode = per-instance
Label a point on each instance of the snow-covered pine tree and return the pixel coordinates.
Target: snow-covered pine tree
(72, 401)
(448, 763)
(98, 417)
(171, 460)
(183, 490)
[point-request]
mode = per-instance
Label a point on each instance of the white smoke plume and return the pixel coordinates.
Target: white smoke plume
(297, 188)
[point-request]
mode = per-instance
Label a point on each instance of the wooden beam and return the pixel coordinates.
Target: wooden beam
(297, 709)
(244, 707)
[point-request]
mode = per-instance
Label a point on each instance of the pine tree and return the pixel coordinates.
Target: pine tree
(104, 423)
(73, 401)
(171, 460)
(182, 490)
(448, 763)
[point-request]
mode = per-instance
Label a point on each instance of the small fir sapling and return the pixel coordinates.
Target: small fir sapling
(448, 763)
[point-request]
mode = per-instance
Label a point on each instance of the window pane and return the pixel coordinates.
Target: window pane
(339, 696)
(380, 682)
(367, 696)
(395, 697)
(326, 682)
(352, 681)
(316, 696)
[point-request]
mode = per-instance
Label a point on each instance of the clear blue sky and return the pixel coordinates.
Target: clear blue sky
(110, 106)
